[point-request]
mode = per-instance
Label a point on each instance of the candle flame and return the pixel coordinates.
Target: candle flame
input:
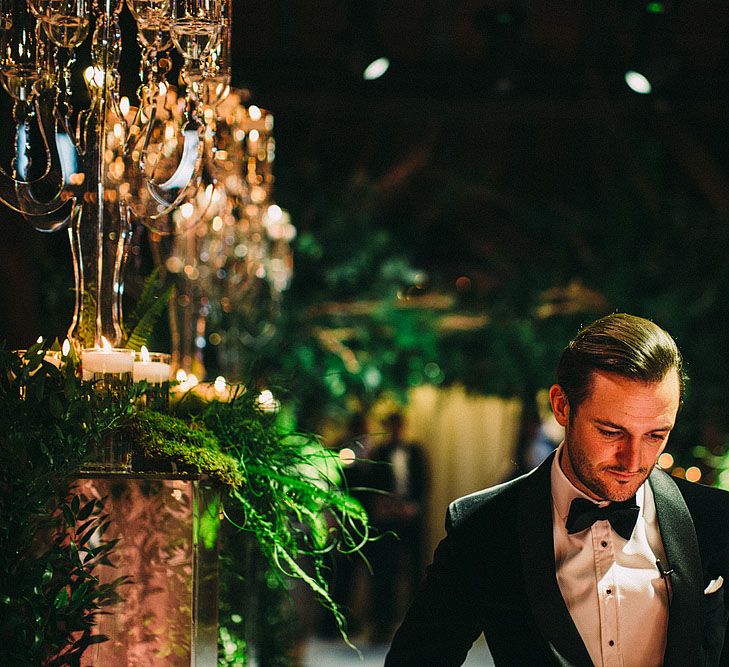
(40, 340)
(145, 353)
(105, 345)
(267, 402)
(66, 348)
(181, 376)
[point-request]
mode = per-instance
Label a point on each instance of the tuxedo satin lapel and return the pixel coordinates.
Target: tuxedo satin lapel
(686, 615)
(537, 557)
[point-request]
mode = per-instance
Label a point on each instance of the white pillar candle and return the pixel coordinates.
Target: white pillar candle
(153, 372)
(114, 361)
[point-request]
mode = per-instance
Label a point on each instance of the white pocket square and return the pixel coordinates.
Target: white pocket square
(714, 585)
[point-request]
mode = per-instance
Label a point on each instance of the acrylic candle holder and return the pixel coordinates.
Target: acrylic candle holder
(154, 369)
(110, 370)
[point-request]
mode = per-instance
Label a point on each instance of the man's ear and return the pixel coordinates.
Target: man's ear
(560, 405)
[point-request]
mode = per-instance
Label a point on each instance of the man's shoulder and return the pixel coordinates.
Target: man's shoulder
(468, 508)
(706, 498)
(697, 490)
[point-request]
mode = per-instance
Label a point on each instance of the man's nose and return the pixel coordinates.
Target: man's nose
(629, 455)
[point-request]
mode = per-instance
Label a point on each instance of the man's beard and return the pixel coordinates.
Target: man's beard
(590, 479)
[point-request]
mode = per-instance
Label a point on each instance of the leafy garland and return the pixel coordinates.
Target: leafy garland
(280, 487)
(290, 499)
(49, 595)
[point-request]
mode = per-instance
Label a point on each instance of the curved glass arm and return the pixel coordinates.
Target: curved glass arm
(43, 201)
(161, 163)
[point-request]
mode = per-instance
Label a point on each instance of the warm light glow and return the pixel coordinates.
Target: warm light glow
(181, 376)
(163, 88)
(39, 340)
(217, 223)
(267, 402)
(274, 213)
(124, 105)
(693, 474)
(145, 353)
(254, 112)
(665, 461)
(254, 135)
(66, 347)
(219, 384)
(105, 345)
(347, 456)
(637, 82)
(94, 76)
(192, 380)
(187, 210)
(376, 69)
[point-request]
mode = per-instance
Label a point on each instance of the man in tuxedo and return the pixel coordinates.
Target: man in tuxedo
(595, 557)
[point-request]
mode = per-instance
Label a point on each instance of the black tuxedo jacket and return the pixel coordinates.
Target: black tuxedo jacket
(494, 573)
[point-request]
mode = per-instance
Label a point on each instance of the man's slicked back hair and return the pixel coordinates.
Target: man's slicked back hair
(626, 345)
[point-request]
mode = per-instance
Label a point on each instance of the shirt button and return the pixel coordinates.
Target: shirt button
(611, 643)
(603, 544)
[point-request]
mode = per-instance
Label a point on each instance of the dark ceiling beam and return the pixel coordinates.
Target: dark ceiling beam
(466, 113)
(699, 165)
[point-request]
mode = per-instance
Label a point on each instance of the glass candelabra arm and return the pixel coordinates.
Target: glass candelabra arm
(36, 188)
(161, 164)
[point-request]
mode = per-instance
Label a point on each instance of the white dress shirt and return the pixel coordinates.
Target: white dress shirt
(612, 587)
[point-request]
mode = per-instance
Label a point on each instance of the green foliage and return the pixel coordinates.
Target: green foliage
(159, 440)
(281, 489)
(152, 303)
(86, 332)
(49, 595)
(290, 500)
(256, 607)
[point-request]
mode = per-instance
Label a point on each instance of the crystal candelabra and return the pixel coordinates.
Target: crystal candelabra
(97, 169)
(230, 255)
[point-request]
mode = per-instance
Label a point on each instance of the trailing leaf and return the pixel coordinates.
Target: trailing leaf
(151, 304)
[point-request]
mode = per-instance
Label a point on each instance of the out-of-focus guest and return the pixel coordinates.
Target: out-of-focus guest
(399, 474)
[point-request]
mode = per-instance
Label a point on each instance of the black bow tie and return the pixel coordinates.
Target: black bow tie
(622, 516)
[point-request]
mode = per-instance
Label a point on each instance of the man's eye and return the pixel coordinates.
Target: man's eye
(657, 437)
(609, 434)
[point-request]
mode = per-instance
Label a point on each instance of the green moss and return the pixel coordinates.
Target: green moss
(160, 440)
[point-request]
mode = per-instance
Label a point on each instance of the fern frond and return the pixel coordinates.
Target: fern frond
(143, 329)
(150, 291)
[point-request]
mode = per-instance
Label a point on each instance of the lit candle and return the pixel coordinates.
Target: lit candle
(55, 357)
(151, 367)
(106, 360)
(111, 372)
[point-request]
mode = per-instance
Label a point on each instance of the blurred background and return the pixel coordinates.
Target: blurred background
(517, 170)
